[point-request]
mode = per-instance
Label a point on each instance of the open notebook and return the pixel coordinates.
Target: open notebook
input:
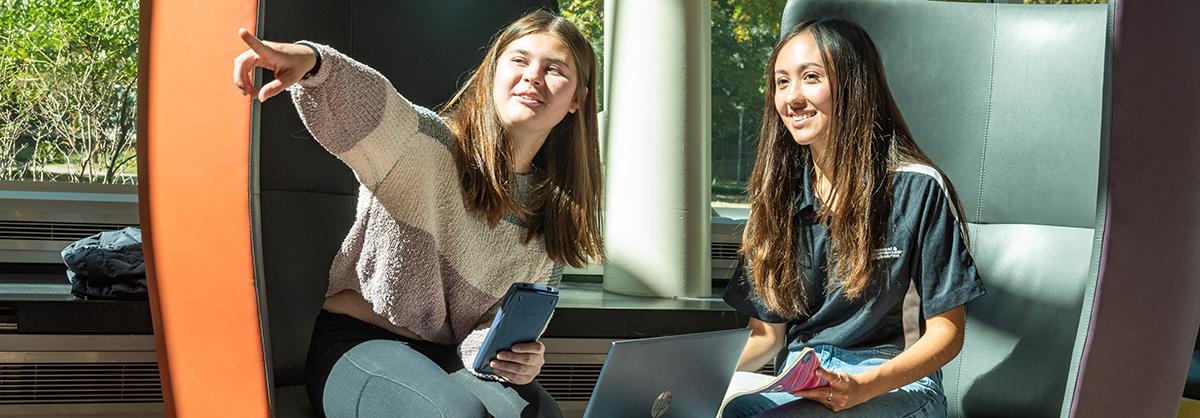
(799, 375)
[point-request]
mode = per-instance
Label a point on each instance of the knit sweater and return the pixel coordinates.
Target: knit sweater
(414, 252)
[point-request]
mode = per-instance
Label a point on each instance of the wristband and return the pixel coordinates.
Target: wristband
(316, 67)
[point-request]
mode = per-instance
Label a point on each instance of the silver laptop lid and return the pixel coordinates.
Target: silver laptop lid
(666, 377)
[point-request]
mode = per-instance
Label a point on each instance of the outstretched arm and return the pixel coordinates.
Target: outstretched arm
(351, 110)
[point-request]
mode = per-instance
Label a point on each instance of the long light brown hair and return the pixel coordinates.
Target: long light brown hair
(565, 209)
(867, 138)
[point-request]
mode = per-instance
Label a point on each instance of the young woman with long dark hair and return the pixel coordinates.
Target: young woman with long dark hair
(847, 215)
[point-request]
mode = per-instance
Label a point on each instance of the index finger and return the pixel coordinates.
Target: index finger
(829, 376)
(253, 42)
(814, 393)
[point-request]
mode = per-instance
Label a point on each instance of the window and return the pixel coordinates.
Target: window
(743, 34)
(588, 16)
(68, 79)
(68, 166)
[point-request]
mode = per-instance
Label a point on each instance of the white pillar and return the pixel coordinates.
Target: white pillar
(658, 149)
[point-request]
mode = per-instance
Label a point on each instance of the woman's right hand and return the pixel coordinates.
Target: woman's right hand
(289, 62)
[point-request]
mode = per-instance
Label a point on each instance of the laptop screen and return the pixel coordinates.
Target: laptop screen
(664, 377)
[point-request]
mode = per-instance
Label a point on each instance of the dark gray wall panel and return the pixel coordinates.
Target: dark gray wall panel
(454, 36)
(288, 156)
(304, 232)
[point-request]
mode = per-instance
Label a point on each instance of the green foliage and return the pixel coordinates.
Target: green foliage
(68, 74)
(743, 34)
(588, 16)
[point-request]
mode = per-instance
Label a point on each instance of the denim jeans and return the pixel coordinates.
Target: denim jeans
(923, 398)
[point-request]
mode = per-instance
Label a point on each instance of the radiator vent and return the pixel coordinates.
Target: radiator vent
(51, 231)
(8, 318)
(72, 383)
(569, 382)
(725, 251)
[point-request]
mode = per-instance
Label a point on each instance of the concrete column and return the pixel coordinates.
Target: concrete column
(658, 148)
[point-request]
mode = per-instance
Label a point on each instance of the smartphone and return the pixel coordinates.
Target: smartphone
(524, 313)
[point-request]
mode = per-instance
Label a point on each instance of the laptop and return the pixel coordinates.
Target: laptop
(666, 377)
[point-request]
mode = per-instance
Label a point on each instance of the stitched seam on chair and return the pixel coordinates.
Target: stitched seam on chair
(956, 405)
(380, 376)
(361, 389)
(987, 121)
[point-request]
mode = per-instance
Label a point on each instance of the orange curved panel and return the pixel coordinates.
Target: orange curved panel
(194, 170)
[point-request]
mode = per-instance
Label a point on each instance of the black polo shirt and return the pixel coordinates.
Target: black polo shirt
(924, 249)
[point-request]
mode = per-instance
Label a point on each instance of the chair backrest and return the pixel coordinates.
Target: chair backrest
(1007, 100)
(306, 197)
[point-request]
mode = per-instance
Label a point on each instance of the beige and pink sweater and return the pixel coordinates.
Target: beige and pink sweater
(414, 251)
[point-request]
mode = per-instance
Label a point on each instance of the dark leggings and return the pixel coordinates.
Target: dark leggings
(356, 369)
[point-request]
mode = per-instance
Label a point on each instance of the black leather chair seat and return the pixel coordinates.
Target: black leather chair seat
(292, 402)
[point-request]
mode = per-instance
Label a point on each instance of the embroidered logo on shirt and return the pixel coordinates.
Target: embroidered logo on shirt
(886, 253)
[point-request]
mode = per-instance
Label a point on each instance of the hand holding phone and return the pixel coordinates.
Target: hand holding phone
(520, 364)
(524, 313)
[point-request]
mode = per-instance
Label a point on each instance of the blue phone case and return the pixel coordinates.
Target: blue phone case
(524, 313)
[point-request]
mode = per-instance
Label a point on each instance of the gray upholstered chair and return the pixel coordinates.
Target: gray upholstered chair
(305, 197)
(1070, 133)
(1007, 99)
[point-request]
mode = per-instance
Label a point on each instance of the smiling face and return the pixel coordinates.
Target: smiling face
(803, 91)
(535, 84)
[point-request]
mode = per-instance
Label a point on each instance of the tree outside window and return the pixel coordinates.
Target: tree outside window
(68, 80)
(743, 34)
(588, 16)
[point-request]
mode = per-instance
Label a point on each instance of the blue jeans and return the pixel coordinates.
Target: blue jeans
(923, 398)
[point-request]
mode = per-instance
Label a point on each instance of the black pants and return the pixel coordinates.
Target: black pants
(355, 369)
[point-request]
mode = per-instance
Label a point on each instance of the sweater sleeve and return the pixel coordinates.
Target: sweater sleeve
(354, 112)
(556, 272)
(470, 348)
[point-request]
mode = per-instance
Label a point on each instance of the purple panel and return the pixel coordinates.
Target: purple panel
(1146, 313)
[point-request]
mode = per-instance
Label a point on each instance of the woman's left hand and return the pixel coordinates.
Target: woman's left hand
(844, 391)
(522, 363)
